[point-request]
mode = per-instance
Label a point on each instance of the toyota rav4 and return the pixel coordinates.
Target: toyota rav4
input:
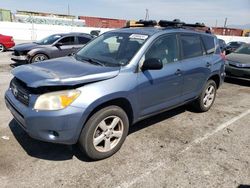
(116, 80)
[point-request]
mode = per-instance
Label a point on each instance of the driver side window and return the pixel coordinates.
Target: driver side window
(67, 41)
(164, 49)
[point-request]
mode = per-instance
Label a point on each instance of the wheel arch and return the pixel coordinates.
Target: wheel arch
(121, 102)
(216, 79)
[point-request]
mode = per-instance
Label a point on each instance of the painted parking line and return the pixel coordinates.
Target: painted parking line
(219, 128)
(192, 144)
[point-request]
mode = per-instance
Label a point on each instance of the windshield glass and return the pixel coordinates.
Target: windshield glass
(113, 49)
(245, 49)
(49, 40)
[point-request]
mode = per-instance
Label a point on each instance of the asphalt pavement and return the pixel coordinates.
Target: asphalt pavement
(179, 148)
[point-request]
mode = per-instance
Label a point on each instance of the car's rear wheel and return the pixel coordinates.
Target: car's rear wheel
(2, 48)
(104, 133)
(207, 97)
(39, 57)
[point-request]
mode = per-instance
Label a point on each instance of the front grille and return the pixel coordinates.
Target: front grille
(16, 53)
(20, 91)
(233, 65)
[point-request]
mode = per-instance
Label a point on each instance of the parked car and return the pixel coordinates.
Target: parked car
(232, 46)
(116, 80)
(223, 46)
(6, 42)
(238, 62)
(53, 46)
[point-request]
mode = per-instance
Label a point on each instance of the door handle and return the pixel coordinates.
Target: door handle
(208, 64)
(178, 72)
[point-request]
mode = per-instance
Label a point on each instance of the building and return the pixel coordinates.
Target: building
(5, 15)
(47, 18)
(227, 31)
(45, 14)
(103, 22)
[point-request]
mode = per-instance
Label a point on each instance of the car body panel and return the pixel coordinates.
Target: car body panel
(62, 71)
(238, 65)
(7, 41)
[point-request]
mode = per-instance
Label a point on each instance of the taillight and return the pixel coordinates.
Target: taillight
(223, 55)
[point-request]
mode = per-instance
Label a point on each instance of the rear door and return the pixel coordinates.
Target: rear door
(194, 65)
(81, 41)
(160, 89)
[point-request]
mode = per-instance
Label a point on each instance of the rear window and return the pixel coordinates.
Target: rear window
(209, 44)
(83, 40)
(191, 46)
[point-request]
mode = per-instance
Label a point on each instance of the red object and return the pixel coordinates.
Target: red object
(103, 22)
(227, 31)
(7, 41)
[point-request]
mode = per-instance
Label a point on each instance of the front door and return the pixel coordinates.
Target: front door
(160, 89)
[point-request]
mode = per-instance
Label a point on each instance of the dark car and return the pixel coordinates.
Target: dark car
(6, 42)
(116, 80)
(232, 46)
(238, 62)
(223, 45)
(53, 46)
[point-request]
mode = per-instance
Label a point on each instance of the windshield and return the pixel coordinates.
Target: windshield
(48, 40)
(113, 49)
(245, 49)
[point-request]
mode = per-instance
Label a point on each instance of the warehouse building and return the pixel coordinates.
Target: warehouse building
(103, 22)
(5, 15)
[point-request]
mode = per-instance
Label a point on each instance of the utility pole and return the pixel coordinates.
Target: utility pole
(225, 23)
(147, 14)
(68, 10)
(216, 23)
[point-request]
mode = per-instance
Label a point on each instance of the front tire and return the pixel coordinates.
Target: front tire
(38, 58)
(104, 133)
(207, 97)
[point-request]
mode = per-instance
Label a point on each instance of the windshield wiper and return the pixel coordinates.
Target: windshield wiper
(90, 60)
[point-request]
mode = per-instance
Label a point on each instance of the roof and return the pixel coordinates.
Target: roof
(153, 30)
(73, 33)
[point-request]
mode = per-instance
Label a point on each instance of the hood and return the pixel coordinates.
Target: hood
(66, 71)
(239, 58)
(26, 46)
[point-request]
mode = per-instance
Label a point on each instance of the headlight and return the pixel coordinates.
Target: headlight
(56, 100)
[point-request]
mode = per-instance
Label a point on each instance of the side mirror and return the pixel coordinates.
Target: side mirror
(152, 64)
(58, 44)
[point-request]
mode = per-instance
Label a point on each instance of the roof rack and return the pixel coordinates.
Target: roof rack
(177, 23)
(147, 23)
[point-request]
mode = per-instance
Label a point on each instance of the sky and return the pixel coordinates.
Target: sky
(190, 11)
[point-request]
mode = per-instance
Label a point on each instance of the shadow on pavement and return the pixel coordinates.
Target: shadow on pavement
(156, 119)
(241, 82)
(59, 152)
(44, 150)
(244, 186)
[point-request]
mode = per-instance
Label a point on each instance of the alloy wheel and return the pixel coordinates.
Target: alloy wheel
(108, 133)
(209, 96)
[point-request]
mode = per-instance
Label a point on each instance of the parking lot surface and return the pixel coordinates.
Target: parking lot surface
(179, 148)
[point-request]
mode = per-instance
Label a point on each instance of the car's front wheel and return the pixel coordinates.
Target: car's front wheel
(104, 133)
(207, 97)
(39, 57)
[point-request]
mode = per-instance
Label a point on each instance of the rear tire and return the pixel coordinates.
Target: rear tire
(206, 98)
(104, 133)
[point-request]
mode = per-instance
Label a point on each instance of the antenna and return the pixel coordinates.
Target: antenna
(147, 14)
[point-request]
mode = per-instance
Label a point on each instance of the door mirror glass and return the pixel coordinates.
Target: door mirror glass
(152, 64)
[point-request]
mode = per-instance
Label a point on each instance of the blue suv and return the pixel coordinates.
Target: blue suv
(116, 80)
